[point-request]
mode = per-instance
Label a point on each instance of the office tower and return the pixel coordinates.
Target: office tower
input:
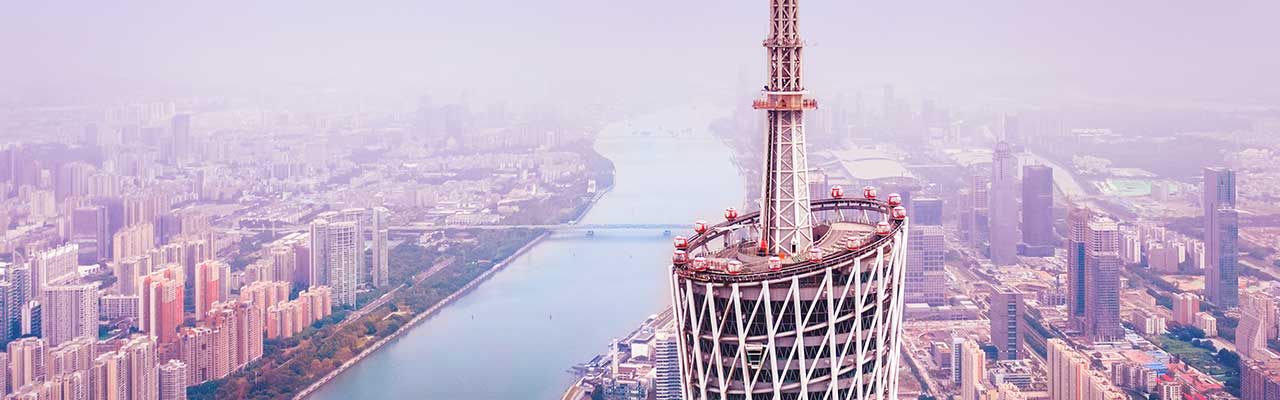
(8, 304)
(1004, 207)
(1077, 223)
(975, 223)
(926, 211)
(926, 275)
(1037, 210)
(1221, 237)
(53, 266)
(89, 232)
(26, 361)
(162, 293)
(72, 312)
(1006, 315)
(1185, 308)
(173, 380)
(1102, 281)
(334, 257)
(180, 134)
(381, 254)
(209, 285)
(957, 360)
(1260, 378)
(666, 361)
(972, 370)
(852, 272)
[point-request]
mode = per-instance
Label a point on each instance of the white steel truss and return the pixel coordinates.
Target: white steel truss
(786, 221)
(829, 334)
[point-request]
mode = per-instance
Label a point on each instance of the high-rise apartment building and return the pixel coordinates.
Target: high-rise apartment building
(1185, 308)
(173, 380)
(973, 369)
(380, 268)
(26, 361)
(1037, 210)
(162, 297)
(1004, 206)
(57, 265)
(1221, 237)
(335, 257)
(1260, 378)
(1006, 315)
(89, 231)
(210, 279)
(71, 312)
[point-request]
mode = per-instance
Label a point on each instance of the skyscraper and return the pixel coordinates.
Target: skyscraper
(209, 285)
(926, 211)
(1260, 378)
(180, 134)
(335, 257)
(173, 380)
(1006, 315)
(1004, 207)
(1037, 210)
(90, 233)
(72, 312)
(926, 274)
(381, 266)
(1077, 230)
(26, 361)
(666, 354)
(972, 370)
(1221, 237)
(1102, 281)
(161, 313)
(739, 294)
(975, 223)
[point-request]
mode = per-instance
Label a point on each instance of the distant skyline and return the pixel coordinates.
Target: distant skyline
(1169, 51)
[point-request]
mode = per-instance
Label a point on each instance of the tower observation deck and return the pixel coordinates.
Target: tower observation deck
(802, 300)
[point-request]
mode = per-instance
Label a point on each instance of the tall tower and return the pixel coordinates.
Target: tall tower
(785, 223)
(779, 304)
(1004, 208)
(1221, 238)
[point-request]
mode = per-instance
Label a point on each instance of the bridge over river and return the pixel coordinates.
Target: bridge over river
(554, 227)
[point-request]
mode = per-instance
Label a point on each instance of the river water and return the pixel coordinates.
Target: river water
(561, 303)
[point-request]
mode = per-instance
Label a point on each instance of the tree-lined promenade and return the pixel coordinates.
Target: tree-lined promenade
(291, 365)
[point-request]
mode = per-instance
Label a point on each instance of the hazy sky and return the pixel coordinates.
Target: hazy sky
(1222, 51)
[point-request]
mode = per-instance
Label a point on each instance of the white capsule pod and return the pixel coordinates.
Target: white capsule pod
(730, 213)
(899, 213)
(815, 255)
(895, 199)
(681, 242)
(853, 243)
(735, 267)
(775, 263)
(700, 226)
(869, 192)
(882, 228)
(699, 264)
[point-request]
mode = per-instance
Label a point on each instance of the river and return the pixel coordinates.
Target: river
(561, 303)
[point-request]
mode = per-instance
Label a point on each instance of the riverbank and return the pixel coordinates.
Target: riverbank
(305, 393)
